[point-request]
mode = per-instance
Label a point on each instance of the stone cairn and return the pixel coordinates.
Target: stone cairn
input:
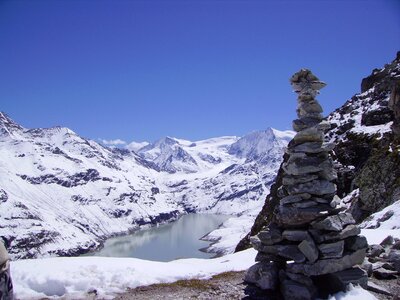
(311, 247)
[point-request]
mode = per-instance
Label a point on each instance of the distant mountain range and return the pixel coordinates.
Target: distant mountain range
(63, 194)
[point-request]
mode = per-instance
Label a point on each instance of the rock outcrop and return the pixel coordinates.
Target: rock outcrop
(310, 248)
(365, 131)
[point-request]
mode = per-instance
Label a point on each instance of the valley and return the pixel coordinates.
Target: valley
(62, 194)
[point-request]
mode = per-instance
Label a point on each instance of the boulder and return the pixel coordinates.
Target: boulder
(354, 243)
(382, 273)
(394, 257)
(335, 282)
(388, 241)
(296, 291)
(264, 275)
(375, 250)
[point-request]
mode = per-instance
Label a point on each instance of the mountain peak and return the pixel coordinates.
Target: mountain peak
(7, 125)
(257, 143)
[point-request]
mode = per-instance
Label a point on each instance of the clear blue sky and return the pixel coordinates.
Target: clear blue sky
(141, 70)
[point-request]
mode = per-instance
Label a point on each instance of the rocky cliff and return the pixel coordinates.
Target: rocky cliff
(366, 132)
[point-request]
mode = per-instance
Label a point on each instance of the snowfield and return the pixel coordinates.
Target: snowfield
(75, 278)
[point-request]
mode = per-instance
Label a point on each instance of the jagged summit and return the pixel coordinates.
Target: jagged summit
(8, 126)
(256, 145)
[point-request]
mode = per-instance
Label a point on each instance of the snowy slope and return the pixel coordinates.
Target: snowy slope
(77, 278)
(63, 194)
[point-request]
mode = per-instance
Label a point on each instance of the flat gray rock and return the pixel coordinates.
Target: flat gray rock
(308, 135)
(349, 230)
(296, 235)
(373, 287)
(315, 187)
(290, 180)
(290, 252)
(294, 198)
(331, 250)
(335, 222)
(309, 249)
(321, 267)
(382, 273)
(293, 216)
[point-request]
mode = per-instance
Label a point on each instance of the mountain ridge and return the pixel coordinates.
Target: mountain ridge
(62, 194)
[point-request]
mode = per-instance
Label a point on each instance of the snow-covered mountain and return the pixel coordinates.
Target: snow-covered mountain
(63, 194)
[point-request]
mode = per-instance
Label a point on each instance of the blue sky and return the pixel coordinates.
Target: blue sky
(141, 70)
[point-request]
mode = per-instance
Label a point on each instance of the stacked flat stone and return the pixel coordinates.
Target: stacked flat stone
(311, 246)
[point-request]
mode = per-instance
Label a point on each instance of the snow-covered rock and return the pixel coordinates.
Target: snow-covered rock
(61, 194)
(387, 218)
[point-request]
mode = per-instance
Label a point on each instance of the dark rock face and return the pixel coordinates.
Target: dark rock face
(378, 117)
(83, 200)
(80, 178)
(31, 243)
(394, 105)
(160, 218)
(3, 196)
